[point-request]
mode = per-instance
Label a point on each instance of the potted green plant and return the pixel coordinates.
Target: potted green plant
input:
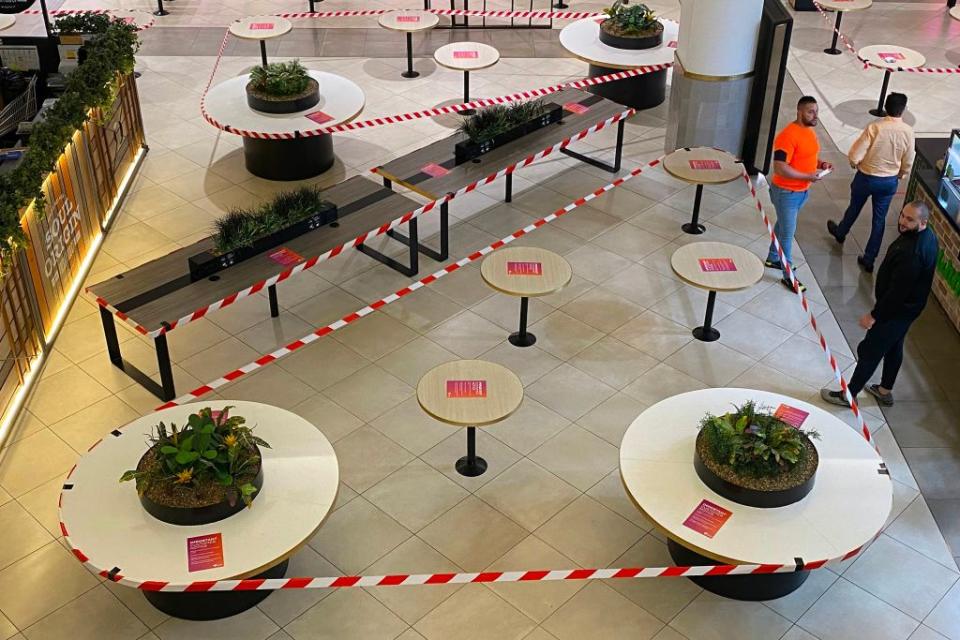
(206, 471)
(74, 31)
(631, 26)
(499, 124)
(282, 87)
(244, 233)
(754, 458)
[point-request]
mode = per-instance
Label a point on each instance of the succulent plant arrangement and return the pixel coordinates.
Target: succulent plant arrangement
(280, 79)
(630, 20)
(241, 227)
(487, 123)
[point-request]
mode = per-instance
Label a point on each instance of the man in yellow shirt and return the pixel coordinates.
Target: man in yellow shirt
(881, 155)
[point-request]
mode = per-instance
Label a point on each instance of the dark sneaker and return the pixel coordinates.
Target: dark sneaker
(833, 230)
(866, 266)
(773, 264)
(786, 282)
(883, 399)
(834, 397)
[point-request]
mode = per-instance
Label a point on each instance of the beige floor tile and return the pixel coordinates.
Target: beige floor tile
(327, 306)
(669, 633)
(597, 265)
(945, 617)
(8, 630)
(563, 336)
(630, 241)
(613, 362)
(339, 362)
(610, 419)
(96, 615)
(795, 633)
(687, 306)
(504, 311)
(529, 363)
(270, 385)
(527, 493)
(375, 335)
(22, 532)
(473, 534)
(804, 361)
(740, 620)
(423, 310)
(273, 333)
(654, 335)
(357, 535)
(577, 287)
(333, 420)
(414, 359)
(467, 335)
(42, 504)
(25, 593)
(794, 605)
(589, 534)
(577, 456)
(89, 425)
(529, 427)
(366, 457)
(847, 611)
(598, 611)
(225, 356)
(444, 456)
(474, 613)
(710, 362)
(25, 425)
(249, 625)
(193, 338)
(415, 495)
(62, 394)
(661, 382)
(28, 463)
(781, 307)
(284, 606)
(569, 391)
(764, 378)
(611, 493)
(602, 309)
(409, 426)
(370, 392)
(464, 286)
(663, 598)
(82, 339)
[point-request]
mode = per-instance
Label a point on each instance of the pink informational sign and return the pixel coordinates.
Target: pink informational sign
(261, 26)
(466, 54)
(286, 257)
(672, 44)
(599, 20)
(319, 117)
(466, 388)
(434, 170)
(576, 108)
(408, 18)
(791, 415)
(524, 269)
(717, 264)
(891, 57)
(704, 165)
(205, 552)
(707, 518)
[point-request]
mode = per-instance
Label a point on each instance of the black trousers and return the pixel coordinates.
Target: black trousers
(884, 341)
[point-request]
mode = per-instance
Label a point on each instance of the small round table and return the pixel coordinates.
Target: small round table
(471, 394)
(466, 57)
(7, 21)
(261, 28)
(290, 156)
(889, 57)
(849, 503)
(409, 22)
(105, 522)
(526, 272)
(955, 12)
(715, 266)
(582, 40)
(841, 7)
(700, 166)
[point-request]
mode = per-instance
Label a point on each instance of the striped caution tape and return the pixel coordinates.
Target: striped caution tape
(348, 13)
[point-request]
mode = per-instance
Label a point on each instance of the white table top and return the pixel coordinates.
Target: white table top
(555, 271)
(582, 39)
(955, 12)
(409, 20)
(702, 165)
(340, 98)
(848, 505)
(262, 27)
(747, 268)
(448, 56)
(106, 521)
(7, 21)
(876, 54)
(846, 5)
(504, 393)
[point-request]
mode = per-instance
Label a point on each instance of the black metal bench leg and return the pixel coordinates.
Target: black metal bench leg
(274, 304)
(444, 252)
(597, 163)
(166, 370)
(110, 334)
(166, 390)
(508, 197)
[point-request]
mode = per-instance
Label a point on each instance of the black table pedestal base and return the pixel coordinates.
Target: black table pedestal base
(212, 605)
(410, 73)
(640, 92)
(707, 333)
(293, 159)
(880, 112)
(833, 51)
(694, 227)
(740, 587)
(471, 465)
(523, 338)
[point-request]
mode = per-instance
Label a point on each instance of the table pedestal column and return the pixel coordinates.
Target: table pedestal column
(288, 159)
(471, 465)
(880, 112)
(833, 51)
(523, 338)
(707, 333)
(640, 92)
(694, 227)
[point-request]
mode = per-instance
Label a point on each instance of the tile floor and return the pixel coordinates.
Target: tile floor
(614, 342)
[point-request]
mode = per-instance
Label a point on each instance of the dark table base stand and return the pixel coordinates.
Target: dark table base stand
(294, 159)
(165, 390)
(833, 51)
(738, 587)
(522, 338)
(880, 112)
(213, 605)
(471, 465)
(707, 333)
(466, 94)
(640, 92)
(160, 10)
(694, 227)
(410, 73)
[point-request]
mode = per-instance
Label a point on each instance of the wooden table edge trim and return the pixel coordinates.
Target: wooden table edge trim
(703, 182)
(446, 66)
(472, 424)
(399, 30)
(288, 29)
(525, 295)
(706, 288)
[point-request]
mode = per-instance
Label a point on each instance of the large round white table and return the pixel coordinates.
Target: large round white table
(7, 21)
(582, 40)
(104, 521)
(293, 157)
(848, 505)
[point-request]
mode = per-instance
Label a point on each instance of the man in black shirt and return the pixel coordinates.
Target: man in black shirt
(903, 284)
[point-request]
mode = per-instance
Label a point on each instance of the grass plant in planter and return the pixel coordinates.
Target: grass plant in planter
(244, 233)
(282, 87)
(204, 472)
(752, 457)
(499, 124)
(631, 26)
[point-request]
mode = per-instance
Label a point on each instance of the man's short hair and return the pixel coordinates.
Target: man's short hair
(805, 100)
(895, 104)
(923, 211)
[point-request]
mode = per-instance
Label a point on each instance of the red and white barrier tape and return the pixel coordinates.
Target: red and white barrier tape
(557, 15)
(332, 253)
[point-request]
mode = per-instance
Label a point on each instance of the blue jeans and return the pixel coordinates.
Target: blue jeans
(881, 192)
(788, 204)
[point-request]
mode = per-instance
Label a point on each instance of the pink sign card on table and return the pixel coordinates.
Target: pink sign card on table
(707, 518)
(791, 415)
(717, 264)
(891, 56)
(434, 170)
(466, 54)
(286, 256)
(672, 44)
(576, 108)
(319, 117)
(466, 388)
(258, 26)
(703, 165)
(205, 552)
(408, 18)
(524, 268)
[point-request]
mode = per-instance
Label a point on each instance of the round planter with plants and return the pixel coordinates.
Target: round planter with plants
(754, 458)
(631, 26)
(282, 87)
(206, 471)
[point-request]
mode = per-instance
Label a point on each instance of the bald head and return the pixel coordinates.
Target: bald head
(913, 217)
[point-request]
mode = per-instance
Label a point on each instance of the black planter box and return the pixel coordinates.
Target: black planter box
(292, 105)
(465, 151)
(205, 264)
(623, 42)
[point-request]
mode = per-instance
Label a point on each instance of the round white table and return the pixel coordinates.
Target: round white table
(700, 166)
(841, 7)
(409, 22)
(955, 12)
(106, 523)
(7, 21)
(849, 503)
(466, 57)
(582, 40)
(296, 157)
(260, 28)
(889, 57)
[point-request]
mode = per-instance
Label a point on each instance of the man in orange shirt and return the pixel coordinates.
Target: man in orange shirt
(795, 166)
